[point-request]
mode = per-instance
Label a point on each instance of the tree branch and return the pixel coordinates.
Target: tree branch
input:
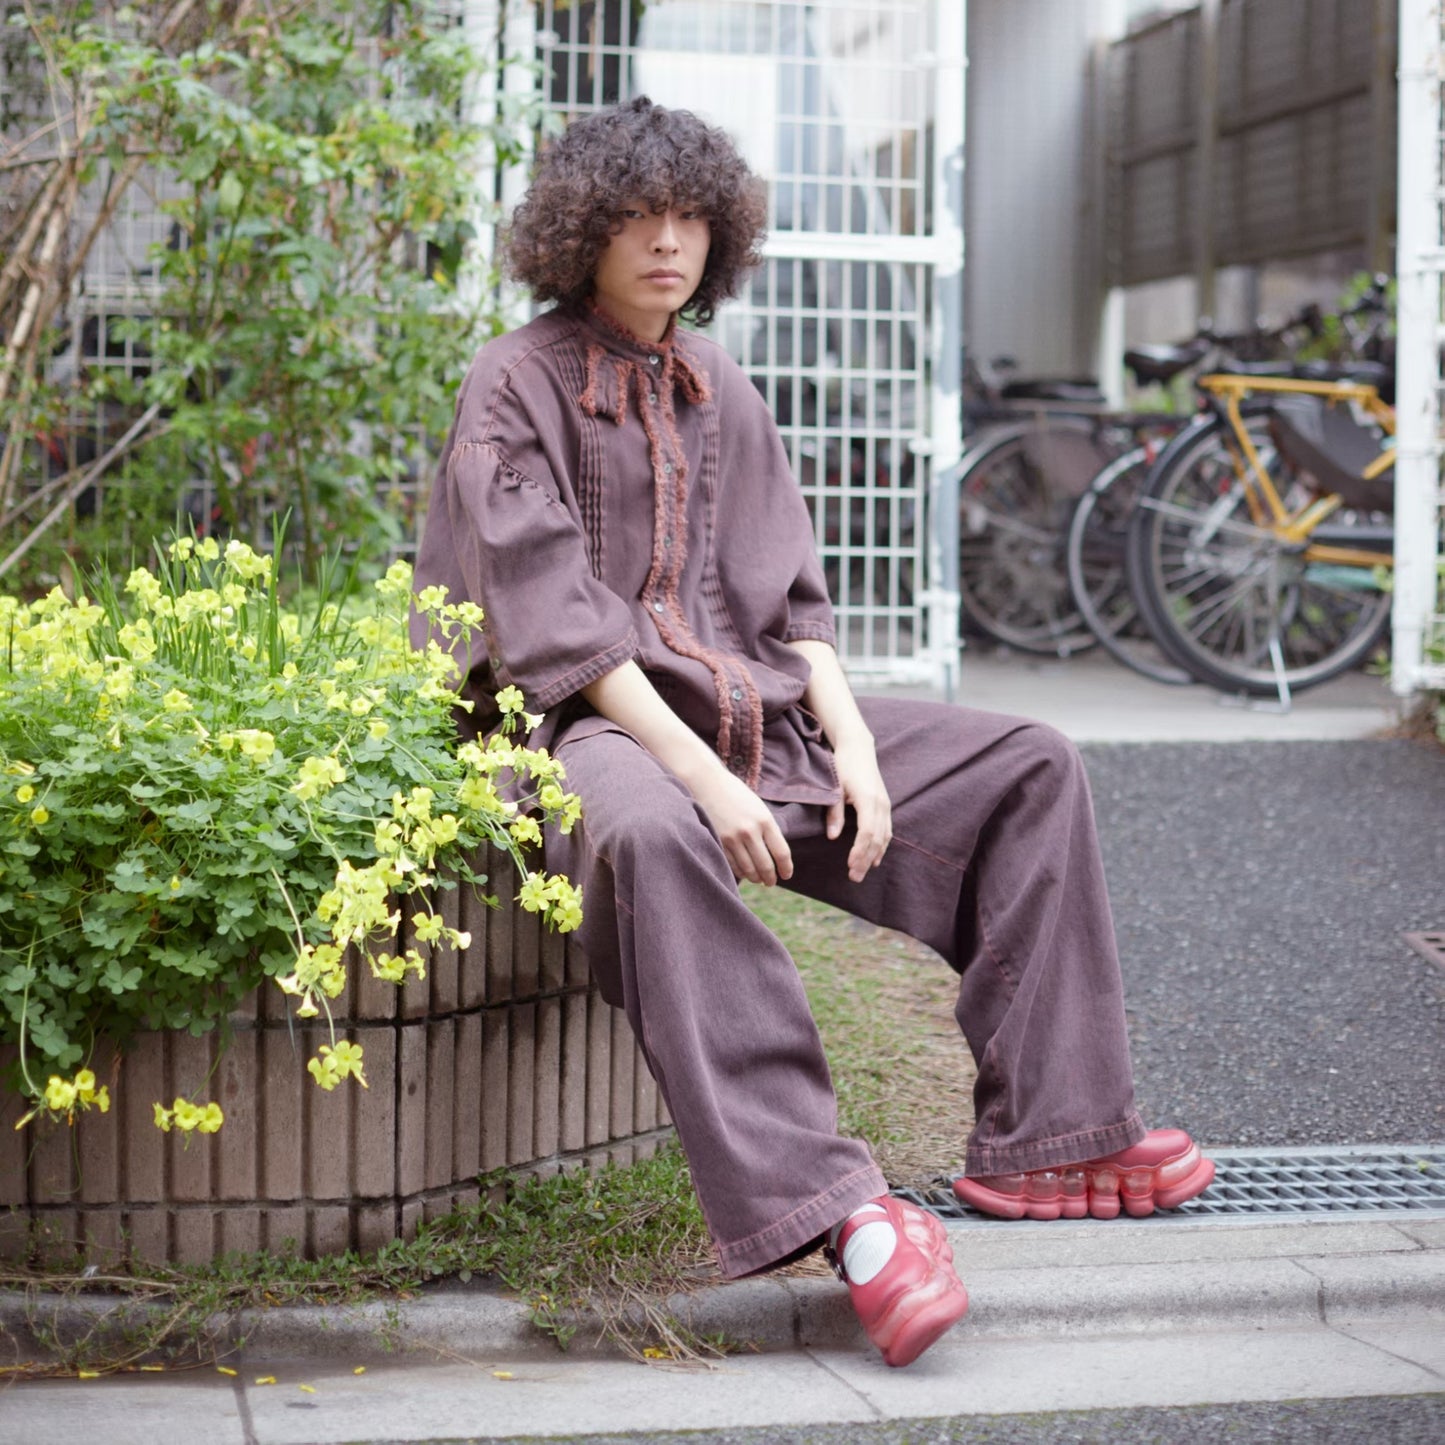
(85, 479)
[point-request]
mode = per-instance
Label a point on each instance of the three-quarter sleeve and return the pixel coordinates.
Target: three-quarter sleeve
(551, 627)
(783, 551)
(810, 612)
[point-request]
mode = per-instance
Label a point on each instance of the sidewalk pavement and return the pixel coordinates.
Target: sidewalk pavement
(1093, 699)
(1164, 1312)
(1064, 1316)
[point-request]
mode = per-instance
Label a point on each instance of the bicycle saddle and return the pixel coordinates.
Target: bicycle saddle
(1371, 373)
(1163, 363)
(1255, 368)
(1053, 389)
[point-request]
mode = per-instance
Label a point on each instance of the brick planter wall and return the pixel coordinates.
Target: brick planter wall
(503, 1055)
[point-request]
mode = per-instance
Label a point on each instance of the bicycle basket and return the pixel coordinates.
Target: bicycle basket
(1327, 442)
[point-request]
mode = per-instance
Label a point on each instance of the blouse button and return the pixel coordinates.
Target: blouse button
(737, 694)
(667, 467)
(657, 606)
(653, 360)
(667, 541)
(737, 765)
(652, 397)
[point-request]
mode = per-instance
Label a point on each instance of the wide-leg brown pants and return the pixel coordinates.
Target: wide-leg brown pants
(994, 863)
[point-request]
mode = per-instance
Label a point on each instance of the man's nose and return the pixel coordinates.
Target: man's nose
(664, 238)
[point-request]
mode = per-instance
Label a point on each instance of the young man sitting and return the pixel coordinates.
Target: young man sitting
(616, 497)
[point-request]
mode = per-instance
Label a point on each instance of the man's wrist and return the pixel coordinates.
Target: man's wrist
(847, 738)
(697, 765)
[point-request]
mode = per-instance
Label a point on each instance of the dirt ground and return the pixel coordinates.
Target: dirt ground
(884, 1006)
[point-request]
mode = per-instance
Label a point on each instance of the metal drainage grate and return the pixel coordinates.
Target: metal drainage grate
(1289, 1182)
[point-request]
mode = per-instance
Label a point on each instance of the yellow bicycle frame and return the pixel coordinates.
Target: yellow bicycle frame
(1266, 507)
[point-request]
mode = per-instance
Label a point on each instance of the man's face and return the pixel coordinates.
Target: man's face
(652, 265)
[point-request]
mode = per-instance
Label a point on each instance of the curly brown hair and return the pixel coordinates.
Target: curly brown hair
(634, 151)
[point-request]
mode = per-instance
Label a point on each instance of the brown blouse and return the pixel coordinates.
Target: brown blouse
(607, 499)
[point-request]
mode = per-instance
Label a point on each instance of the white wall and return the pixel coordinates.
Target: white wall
(1031, 276)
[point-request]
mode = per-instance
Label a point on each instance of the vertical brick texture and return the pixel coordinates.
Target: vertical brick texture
(505, 1055)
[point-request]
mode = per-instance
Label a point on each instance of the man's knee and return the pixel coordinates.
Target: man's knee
(631, 805)
(1046, 749)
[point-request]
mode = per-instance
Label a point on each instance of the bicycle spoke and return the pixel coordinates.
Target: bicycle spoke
(1225, 589)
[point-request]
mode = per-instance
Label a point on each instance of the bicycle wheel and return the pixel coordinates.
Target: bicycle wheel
(1015, 495)
(1095, 552)
(1226, 598)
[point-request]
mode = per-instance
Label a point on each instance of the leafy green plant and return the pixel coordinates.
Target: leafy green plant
(1435, 653)
(201, 789)
(586, 1250)
(300, 329)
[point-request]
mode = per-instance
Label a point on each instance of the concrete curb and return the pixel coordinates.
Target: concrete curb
(1024, 1282)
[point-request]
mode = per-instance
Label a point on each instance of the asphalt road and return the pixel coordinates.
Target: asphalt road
(1408, 1420)
(1260, 891)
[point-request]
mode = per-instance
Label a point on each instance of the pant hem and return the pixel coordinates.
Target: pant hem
(806, 1223)
(985, 1160)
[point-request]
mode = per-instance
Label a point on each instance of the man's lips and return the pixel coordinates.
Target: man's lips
(663, 275)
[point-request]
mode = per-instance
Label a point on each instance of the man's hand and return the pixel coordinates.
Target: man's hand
(863, 787)
(754, 844)
(831, 701)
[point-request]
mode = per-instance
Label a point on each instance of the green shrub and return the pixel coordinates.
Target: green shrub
(201, 789)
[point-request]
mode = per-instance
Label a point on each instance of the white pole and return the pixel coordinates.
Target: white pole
(480, 19)
(1418, 382)
(519, 80)
(946, 439)
(1112, 20)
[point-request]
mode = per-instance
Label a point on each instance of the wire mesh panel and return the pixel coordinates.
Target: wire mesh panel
(832, 103)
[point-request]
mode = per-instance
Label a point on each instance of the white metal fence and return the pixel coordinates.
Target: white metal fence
(1418, 622)
(852, 111)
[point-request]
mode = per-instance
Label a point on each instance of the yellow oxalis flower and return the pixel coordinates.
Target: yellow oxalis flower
(40, 816)
(395, 970)
(24, 794)
(244, 562)
(332, 1065)
(533, 895)
(426, 927)
(189, 1117)
(397, 582)
(64, 1096)
(256, 743)
(316, 776)
(510, 700)
(145, 588)
(176, 701)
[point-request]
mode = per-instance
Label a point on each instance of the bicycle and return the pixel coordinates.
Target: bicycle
(1260, 546)
(1019, 489)
(1039, 443)
(1095, 544)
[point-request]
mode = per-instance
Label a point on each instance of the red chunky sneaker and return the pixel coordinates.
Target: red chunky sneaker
(1160, 1172)
(916, 1297)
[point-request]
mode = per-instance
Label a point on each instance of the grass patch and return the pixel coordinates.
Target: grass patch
(595, 1252)
(591, 1251)
(884, 1006)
